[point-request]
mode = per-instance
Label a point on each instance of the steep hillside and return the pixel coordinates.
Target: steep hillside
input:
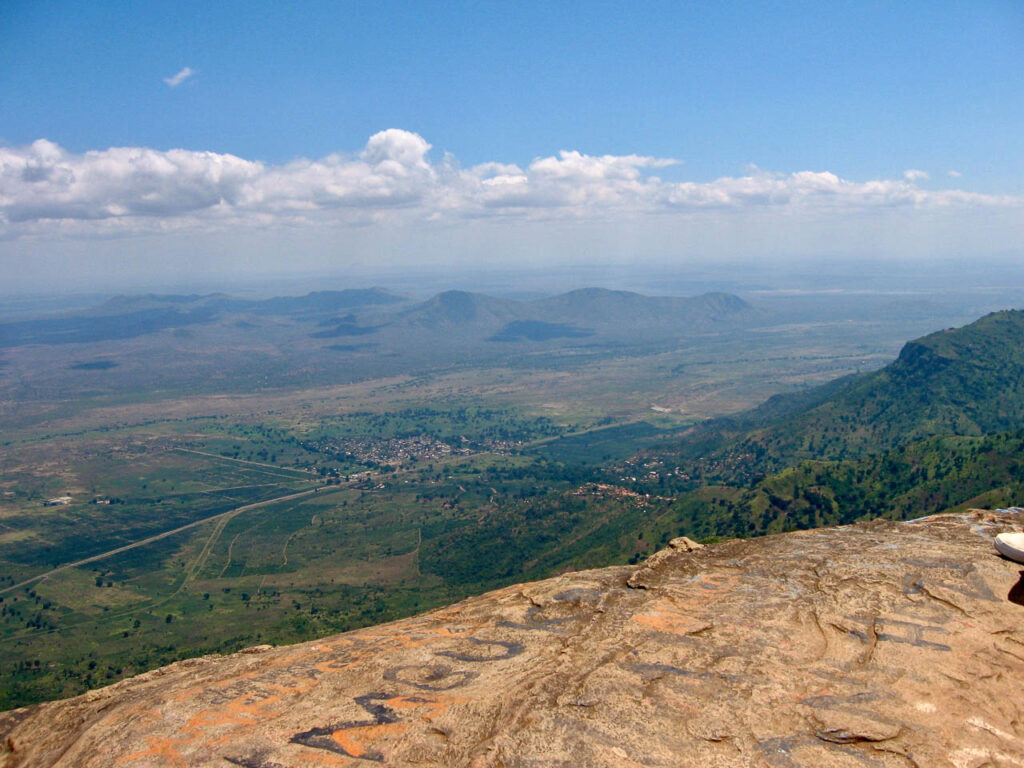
(965, 381)
(882, 644)
(940, 428)
(919, 478)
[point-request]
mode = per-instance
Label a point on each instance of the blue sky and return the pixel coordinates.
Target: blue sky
(865, 91)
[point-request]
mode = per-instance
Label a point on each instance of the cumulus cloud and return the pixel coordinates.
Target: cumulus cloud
(177, 79)
(913, 174)
(43, 187)
(570, 181)
(954, 174)
(43, 181)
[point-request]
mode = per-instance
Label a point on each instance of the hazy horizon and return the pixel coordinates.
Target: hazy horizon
(387, 138)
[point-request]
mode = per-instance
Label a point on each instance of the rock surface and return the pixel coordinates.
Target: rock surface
(880, 644)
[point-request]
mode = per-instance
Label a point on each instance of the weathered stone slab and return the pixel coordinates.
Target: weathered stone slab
(880, 644)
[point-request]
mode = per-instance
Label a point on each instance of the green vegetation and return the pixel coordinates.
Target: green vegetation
(282, 514)
(938, 429)
(968, 381)
(381, 514)
(599, 446)
(921, 478)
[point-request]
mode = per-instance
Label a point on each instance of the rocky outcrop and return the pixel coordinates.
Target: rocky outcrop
(880, 644)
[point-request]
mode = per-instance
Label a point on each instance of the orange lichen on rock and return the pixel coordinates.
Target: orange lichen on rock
(880, 644)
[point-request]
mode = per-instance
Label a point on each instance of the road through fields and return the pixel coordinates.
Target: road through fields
(165, 534)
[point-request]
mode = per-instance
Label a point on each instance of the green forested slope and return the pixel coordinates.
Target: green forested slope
(920, 478)
(965, 381)
(941, 427)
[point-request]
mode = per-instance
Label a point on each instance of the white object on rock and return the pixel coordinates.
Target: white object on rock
(1011, 545)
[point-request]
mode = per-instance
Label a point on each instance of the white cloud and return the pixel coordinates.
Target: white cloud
(44, 182)
(175, 80)
(954, 174)
(571, 182)
(46, 189)
(913, 174)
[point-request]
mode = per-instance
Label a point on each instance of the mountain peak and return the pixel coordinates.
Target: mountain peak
(460, 308)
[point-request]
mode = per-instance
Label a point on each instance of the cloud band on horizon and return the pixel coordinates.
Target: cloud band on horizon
(46, 189)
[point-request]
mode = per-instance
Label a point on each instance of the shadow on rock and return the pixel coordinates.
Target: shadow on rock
(1017, 591)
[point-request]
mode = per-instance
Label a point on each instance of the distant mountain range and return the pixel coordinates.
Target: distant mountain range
(125, 317)
(599, 306)
(317, 302)
(473, 316)
(576, 314)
